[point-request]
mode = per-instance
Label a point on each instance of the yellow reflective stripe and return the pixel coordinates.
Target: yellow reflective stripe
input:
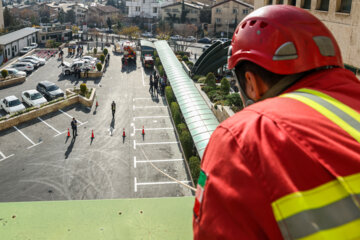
(314, 198)
(350, 230)
(327, 113)
(354, 114)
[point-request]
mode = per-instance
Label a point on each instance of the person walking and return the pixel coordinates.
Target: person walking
(74, 127)
(288, 165)
(156, 84)
(151, 84)
(113, 108)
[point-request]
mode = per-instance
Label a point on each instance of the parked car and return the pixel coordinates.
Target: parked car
(33, 98)
(35, 63)
(25, 50)
(204, 40)
(148, 61)
(49, 90)
(176, 38)
(224, 39)
(147, 34)
(15, 73)
(205, 47)
(90, 58)
(42, 61)
(11, 104)
(190, 39)
(22, 66)
(33, 45)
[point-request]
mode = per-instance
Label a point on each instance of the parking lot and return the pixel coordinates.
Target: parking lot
(39, 162)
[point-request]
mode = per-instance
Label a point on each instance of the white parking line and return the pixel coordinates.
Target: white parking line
(135, 189)
(49, 126)
(153, 129)
(134, 144)
(142, 75)
(135, 107)
(4, 157)
(24, 136)
(69, 128)
(143, 117)
(69, 116)
(134, 161)
(155, 143)
(148, 98)
(163, 160)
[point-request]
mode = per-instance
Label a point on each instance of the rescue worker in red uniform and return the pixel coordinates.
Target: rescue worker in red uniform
(287, 166)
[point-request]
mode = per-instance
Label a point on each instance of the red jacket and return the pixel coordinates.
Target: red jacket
(269, 150)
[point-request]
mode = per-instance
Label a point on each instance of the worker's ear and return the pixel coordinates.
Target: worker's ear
(255, 86)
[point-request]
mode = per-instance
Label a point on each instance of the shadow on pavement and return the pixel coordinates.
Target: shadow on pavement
(70, 147)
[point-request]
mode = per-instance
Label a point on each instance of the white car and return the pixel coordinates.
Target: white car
(42, 61)
(11, 104)
(35, 63)
(33, 45)
(33, 98)
(190, 39)
(147, 34)
(15, 73)
(25, 50)
(69, 68)
(26, 67)
(176, 38)
(90, 58)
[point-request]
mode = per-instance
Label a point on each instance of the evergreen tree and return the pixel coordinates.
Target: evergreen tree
(109, 22)
(184, 12)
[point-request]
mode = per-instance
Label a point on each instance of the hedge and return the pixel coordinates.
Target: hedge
(210, 80)
(83, 88)
(181, 128)
(225, 86)
(175, 111)
(105, 51)
(4, 73)
(194, 164)
(99, 66)
(187, 143)
(102, 58)
(169, 94)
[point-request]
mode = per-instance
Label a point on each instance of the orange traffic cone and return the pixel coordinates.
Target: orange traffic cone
(124, 132)
(143, 131)
(92, 134)
(68, 133)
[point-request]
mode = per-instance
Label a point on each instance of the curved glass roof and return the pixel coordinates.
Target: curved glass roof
(198, 116)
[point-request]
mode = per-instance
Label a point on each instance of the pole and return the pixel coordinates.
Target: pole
(227, 31)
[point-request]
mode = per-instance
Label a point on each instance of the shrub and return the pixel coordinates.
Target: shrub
(83, 89)
(161, 70)
(194, 164)
(207, 89)
(186, 143)
(95, 50)
(175, 111)
(105, 51)
(202, 80)
(189, 63)
(181, 128)
(185, 58)
(169, 94)
(4, 73)
(157, 62)
(155, 54)
(99, 66)
(179, 57)
(234, 99)
(196, 77)
(102, 58)
(210, 80)
(225, 86)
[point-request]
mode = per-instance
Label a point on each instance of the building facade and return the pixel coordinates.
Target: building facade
(80, 13)
(172, 13)
(226, 15)
(342, 17)
(100, 13)
(55, 32)
(13, 42)
(144, 8)
(1, 16)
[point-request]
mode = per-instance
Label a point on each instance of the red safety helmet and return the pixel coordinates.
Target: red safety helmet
(284, 40)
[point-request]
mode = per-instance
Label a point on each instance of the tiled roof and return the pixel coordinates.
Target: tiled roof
(237, 1)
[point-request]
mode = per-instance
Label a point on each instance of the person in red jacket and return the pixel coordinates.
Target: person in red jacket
(288, 165)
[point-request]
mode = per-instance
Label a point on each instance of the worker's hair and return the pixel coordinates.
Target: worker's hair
(269, 78)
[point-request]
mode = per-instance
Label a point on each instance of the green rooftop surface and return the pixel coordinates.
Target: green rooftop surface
(146, 218)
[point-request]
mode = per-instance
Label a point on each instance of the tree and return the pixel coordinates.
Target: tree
(70, 16)
(184, 12)
(109, 22)
(8, 18)
(44, 15)
(61, 16)
(111, 3)
(172, 19)
(205, 15)
(132, 31)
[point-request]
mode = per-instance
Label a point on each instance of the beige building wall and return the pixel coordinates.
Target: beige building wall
(193, 15)
(1, 16)
(344, 26)
(224, 15)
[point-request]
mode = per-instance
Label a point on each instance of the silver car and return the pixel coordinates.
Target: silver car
(15, 73)
(32, 61)
(22, 66)
(42, 61)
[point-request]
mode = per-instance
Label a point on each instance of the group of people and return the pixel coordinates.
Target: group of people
(157, 84)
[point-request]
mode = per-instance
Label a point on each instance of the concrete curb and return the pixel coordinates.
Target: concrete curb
(12, 81)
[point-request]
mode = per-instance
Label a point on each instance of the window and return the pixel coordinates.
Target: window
(279, 1)
(218, 10)
(235, 11)
(323, 5)
(8, 51)
(306, 4)
(143, 1)
(154, 10)
(245, 11)
(292, 2)
(269, 2)
(218, 20)
(137, 9)
(193, 20)
(344, 6)
(43, 37)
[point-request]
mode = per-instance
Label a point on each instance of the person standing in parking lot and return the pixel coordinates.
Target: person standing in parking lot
(113, 108)
(74, 127)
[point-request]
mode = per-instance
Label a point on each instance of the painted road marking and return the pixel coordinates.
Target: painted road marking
(134, 144)
(143, 117)
(135, 107)
(153, 129)
(69, 128)
(155, 183)
(69, 116)
(4, 157)
(156, 161)
(142, 75)
(148, 98)
(33, 144)
(155, 143)
(135, 189)
(49, 126)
